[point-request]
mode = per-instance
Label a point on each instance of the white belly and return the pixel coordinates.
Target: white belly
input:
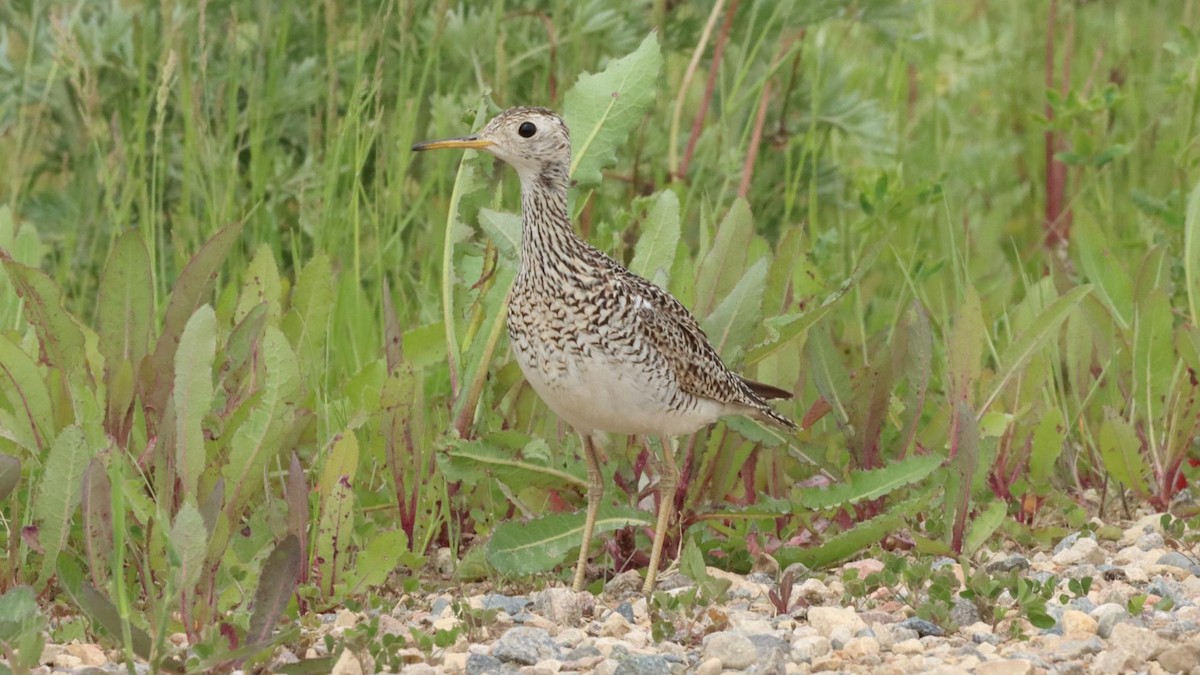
(602, 394)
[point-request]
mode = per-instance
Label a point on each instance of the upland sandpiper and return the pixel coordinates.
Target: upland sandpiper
(606, 349)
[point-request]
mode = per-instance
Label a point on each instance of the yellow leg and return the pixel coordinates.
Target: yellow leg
(668, 480)
(594, 495)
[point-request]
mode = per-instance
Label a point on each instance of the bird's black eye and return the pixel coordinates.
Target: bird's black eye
(527, 130)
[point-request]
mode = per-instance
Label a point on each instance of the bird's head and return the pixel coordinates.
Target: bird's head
(534, 141)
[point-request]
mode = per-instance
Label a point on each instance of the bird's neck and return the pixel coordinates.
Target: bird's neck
(547, 237)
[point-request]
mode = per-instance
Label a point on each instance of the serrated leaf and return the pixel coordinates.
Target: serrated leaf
(500, 455)
(655, 251)
(59, 337)
(276, 583)
(521, 548)
(59, 491)
(828, 374)
(97, 519)
(340, 465)
(863, 485)
(504, 229)
(193, 394)
(1047, 446)
(189, 292)
(125, 302)
(258, 438)
(306, 323)
(189, 541)
(261, 285)
(10, 474)
(1041, 331)
(844, 544)
(604, 108)
(1121, 451)
(332, 541)
(966, 346)
(25, 388)
(984, 525)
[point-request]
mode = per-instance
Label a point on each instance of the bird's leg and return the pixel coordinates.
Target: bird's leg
(594, 494)
(668, 480)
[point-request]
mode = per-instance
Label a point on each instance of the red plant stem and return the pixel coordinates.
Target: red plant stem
(698, 123)
(755, 140)
(1057, 223)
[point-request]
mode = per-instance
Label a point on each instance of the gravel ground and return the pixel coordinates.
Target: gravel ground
(556, 630)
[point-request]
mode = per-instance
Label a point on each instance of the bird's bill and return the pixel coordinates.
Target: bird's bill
(463, 142)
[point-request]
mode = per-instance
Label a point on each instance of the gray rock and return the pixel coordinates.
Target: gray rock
(525, 645)
(1176, 559)
(1071, 650)
(964, 612)
(942, 562)
(560, 605)
(639, 664)
(439, 605)
(482, 664)
(1150, 541)
(1080, 571)
(1082, 604)
(921, 627)
(1067, 542)
(625, 609)
(1107, 621)
(581, 653)
(1012, 562)
(805, 649)
(1168, 589)
(509, 604)
(902, 633)
(733, 649)
(772, 654)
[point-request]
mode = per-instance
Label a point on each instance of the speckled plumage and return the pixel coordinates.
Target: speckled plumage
(606, 349)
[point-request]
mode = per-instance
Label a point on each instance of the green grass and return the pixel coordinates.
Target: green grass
(901, 159)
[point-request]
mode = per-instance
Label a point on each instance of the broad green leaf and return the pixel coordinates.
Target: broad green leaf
(964, 460)
(261, 285)
(1040, 332)
(190, 291)
(341, 465)
(306, 323)
(276, 583)
(257, 440)
(733, 321)
(18, 608)
(1154, 358)
(58, 494)
(125, 305)
(916, 352)
(193, 394)
(10, 475)
(25, 388)
(984, 525)
(385, 552)
(503, 456)
(1047, 445)
(604, 108)
(189, 541)
(101, 611)
(59, 337)
(1191, 253)
(725, 262)
(655, 251)
(1121, 451)
(504, 229)
(521, 548)
(97, 519)
(332, 545)
(966, 347)
(844, 544)
(1102, 266)
(864, 485)
(828, 375)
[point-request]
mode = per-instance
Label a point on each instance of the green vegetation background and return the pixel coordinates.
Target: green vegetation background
(852, 196)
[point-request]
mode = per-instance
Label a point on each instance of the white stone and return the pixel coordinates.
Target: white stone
(614, 625)
(709, 667)
(733, 649)
(455, 662)
(911, 646)
(810, 647)
(88, 654)
(1085, 550)
(1078, 625)
(1113, 662)
(1005, 667)
(1142, 643)
(812, 591)
(347, 664)
(861, 647)
(826, 619)
(1144, 525)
